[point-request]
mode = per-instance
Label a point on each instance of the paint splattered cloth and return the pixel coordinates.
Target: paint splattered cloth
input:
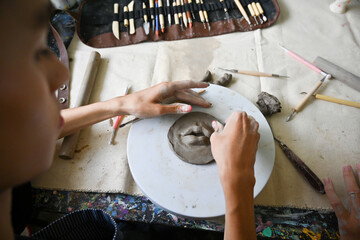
(324, 135)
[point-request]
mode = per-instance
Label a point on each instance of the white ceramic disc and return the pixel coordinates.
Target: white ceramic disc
(186, 189)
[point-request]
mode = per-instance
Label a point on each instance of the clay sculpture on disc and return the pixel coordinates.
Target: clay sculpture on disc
(189, 137)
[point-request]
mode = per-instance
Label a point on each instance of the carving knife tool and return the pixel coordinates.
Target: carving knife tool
(242, 10)
(302, 60)
(201, 14)
(205, 14)
(146, 24)
(183, 13)
(225, 10)
(191, 8)
(257, 13)
(161, 15)
(115, 23)
(261, 11)
(131, 16)
(118, 121)
(152, 11)
(308, 95)
(188, 14)
(302, 168)
(156, 18)
(126, 17)
(169, 11)
(253, 73)
(176, 17)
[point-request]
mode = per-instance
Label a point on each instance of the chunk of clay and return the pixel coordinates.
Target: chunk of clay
(224, 80)
(207, 77)
(268, 104)
(189, 138)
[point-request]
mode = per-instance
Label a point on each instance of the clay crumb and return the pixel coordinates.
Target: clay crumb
(207, 77)
(268, 104)
(224, 80)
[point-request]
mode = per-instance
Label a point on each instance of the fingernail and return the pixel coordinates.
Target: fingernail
(185, 108)
(347, 168)
(214, 124)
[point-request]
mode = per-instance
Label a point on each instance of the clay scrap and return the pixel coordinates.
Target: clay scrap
(268, 104)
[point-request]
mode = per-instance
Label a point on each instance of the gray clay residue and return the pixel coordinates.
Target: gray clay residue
(189, 137)
(268, 104)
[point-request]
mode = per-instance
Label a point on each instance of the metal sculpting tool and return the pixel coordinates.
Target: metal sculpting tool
(242, 10)
(188, 14)
(128, 122)
(251, 10)
(205, 14)
(253, 73)
(118, 120)
(261, 11)
(302, 60)
(302, 168)
(146, 24)
(152, 10)
(115, 23)
(201, 14)
(308, 95)
(131, 16)
(227, 16)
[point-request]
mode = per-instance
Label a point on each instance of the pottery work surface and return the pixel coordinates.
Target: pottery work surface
(189, 138)
(188, 189)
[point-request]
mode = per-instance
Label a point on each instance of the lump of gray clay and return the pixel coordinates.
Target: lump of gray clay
(224, 80)
(207, 77)
(268, 104)
(189, 137)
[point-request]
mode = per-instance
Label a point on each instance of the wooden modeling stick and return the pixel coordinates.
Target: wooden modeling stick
(131, 15)
(242, 10)
(115, 23)
(69, 143)
(337, 100)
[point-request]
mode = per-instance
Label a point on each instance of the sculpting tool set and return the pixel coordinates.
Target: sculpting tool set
(158, 14)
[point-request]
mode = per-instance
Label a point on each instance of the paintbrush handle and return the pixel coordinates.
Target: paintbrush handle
(308, 95)
(252, 73)
(337, 100)
(303, 169)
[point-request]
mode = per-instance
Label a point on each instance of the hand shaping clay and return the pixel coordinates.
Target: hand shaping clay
(189, 137)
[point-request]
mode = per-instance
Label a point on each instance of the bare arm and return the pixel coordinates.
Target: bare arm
(234, 149)
(143, 104)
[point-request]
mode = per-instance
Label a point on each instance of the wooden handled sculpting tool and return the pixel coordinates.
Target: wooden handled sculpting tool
(227, 16)
(242, 10)
(258, 5)
(188, 14)
(337, 100)
(183, 13)
(257, 12)
(115, 23)
(69, 143)
(176, 17)
(191, 9)
(118, 120)
(152, 10)
(161, 16)
(205, 14)
(308, 95)
(201, 14)
(126, 17)
(169, 11)
(131, 16)
(253, 73)
(251, 10)
(180, 15)
(302, 168)
(146, 24)
(156, 18)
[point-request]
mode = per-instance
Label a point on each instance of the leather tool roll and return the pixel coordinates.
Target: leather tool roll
(94, 26)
